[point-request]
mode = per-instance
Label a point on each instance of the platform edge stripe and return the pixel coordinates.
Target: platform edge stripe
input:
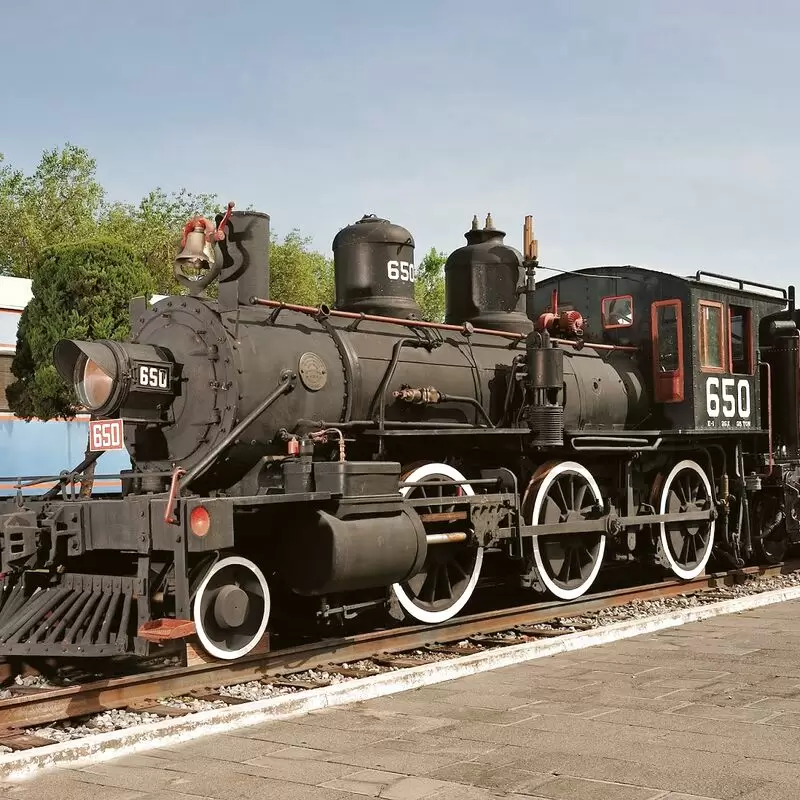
(175, 730)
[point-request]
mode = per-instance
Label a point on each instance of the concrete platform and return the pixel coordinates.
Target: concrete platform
(707, 710)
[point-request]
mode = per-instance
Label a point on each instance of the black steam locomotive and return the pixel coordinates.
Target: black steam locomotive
(289, 460)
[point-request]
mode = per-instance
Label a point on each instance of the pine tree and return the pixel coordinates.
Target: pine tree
(81, 290)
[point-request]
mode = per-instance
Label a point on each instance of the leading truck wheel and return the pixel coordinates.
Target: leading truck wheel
(452, 568)
(564, 491)
(231, 608)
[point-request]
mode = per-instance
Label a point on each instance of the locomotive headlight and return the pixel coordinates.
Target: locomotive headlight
(109, 376)
(93, 384)
(93, 369)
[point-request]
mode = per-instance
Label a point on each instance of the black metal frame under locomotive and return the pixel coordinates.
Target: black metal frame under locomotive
(289, 459)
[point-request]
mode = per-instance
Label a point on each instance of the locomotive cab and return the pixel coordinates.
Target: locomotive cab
(696, 339)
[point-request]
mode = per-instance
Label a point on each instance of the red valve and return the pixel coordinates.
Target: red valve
(219, 235)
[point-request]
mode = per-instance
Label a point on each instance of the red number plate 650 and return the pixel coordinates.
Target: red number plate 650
(105, 434)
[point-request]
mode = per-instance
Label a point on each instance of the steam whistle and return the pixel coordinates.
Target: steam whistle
(531, 261)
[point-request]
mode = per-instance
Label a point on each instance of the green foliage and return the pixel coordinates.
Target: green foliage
(63, 202)
(58, 203)
(153, 229)
(297, 273)
(81, 290)
(429, 285)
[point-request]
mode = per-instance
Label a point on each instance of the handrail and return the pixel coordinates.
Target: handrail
(741, 283)
(323, 312)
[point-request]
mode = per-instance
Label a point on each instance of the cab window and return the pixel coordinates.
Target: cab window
(667, 329)
(617, 312)
(711, 327)
(740, 343)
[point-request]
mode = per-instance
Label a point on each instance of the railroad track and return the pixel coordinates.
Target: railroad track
(396, 648)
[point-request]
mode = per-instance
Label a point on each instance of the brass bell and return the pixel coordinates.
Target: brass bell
(197, 252)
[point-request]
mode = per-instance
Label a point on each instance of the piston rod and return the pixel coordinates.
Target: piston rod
(445, 538)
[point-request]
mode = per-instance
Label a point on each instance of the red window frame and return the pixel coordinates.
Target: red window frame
(603, 305)
(668, 387)
(702, 349)
(748, 339)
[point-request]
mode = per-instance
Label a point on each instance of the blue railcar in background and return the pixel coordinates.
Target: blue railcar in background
(40, 447)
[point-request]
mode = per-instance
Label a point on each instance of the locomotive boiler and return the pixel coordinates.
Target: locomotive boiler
(332, 464)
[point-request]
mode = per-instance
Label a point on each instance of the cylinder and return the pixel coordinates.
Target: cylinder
(328, 554)
(374, 269)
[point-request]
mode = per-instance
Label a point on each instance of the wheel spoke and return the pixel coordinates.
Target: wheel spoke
(447, 587)
(564, 506)
(578, 500)
(428, 592)
(456, 565)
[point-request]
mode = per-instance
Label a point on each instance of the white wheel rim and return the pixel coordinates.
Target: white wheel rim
(209, 645)
(544, 486)
(406, 601)
(686, 574)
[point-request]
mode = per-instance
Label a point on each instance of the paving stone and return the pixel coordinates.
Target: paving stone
(124, 777)
(576, 708)
(594, 728)
(772, 791)
(449, 745)
(500, 702)
(723, 713)
(387, 756)
(371, 721)
(148, 759)
(62, 786)
(507, 779)
(223, 748)
(580, 789)
(317, 738)
(299, 770)
(412, 789)
(389, 785)
(725, 695)
(612, 670)
(693, 777)
(403, 703)
(228, 784)
(450, 714)
(165, 795)
(679, 796)
(199, 765)
(616, 699)
(657, 720)
(457, 791)
(516, 757)
(778, 704)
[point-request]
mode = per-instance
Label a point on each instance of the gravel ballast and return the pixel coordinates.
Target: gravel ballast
(261, 690)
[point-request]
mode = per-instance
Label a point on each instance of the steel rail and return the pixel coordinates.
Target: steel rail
(46, 706)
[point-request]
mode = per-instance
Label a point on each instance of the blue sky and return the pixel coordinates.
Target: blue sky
(656, 133)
